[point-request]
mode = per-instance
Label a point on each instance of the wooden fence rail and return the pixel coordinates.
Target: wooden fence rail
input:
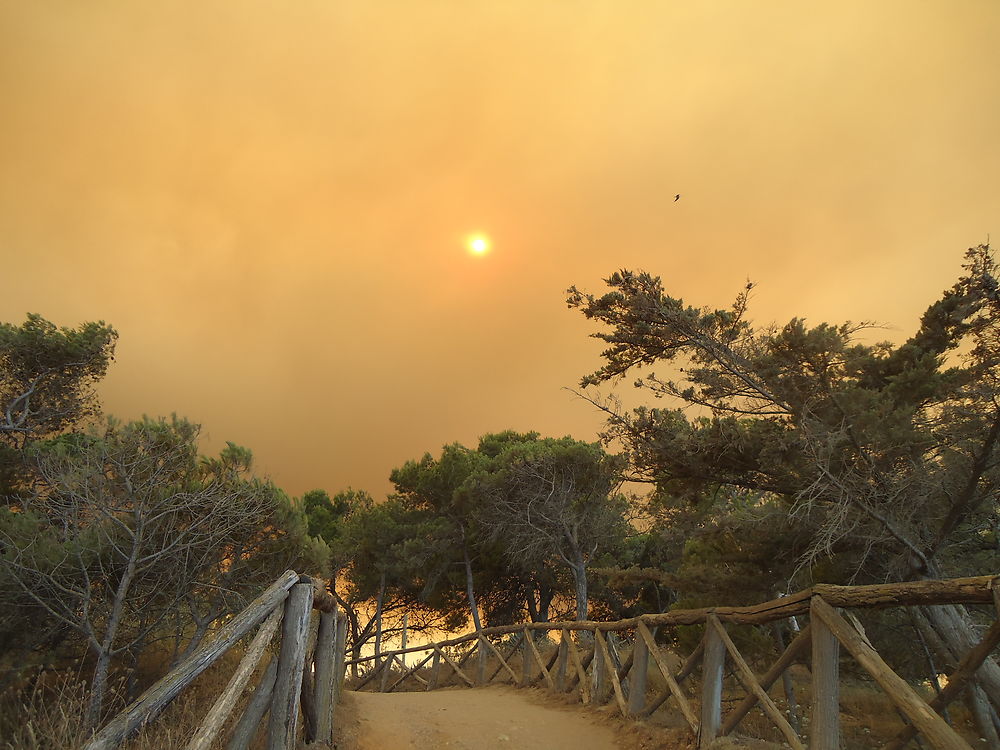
(304, 679)
(283, 693)
(586, 661)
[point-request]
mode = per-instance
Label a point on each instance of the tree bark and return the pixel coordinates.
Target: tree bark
(982, 714)
(470, 592)
(378, 622)
(545, 594)
(579, 568)
(99, 685)
(955, 637)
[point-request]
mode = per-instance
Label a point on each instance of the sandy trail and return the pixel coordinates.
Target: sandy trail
(490, 718)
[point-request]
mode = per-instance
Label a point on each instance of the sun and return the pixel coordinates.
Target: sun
(478, 244)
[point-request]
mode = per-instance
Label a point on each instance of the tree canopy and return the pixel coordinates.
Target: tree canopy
(889, 451)
(552, 501)
(47, 375)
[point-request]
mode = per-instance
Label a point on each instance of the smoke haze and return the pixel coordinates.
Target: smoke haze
(269, 200)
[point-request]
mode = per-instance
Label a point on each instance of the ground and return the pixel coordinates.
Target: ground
(493, 718)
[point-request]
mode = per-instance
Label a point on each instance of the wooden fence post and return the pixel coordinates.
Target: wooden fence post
(342, 625)
(601, 687)
(637, 677)
(246, 727)
(712, 668)
(291, 663)
(159, 695)
(527, 666)
(562, 665)
(326, 678)
(307, 688)
(483, 656)
(432, 683)
(825, 724)
(402, 644)
(386, 672)
(217, 715)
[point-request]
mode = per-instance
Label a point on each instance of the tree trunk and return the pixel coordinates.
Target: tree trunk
(955, 635)
(132, 680)
(200, 631)
(470, 592)
(786, 680)
(545, 594)
(982, 714)
(355, 655)
(352, 618)
(579, 568)
(538, 610)
(378, 621)
(98, 688)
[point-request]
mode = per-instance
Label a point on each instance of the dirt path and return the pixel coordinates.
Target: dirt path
(491, 718)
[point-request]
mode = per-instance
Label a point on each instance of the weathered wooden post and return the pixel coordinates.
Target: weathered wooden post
(637, 677)
(342, 625)
(825, 724)
(562, 664)
(307, 688)
(291, 663)
(160, 694)
(432, 683)
(483, 655)
(326, 678)
(386, 671)
(402, 645)
(601, 687)
(527, 665)
(711, 689)
(223, 706)
(259, 702)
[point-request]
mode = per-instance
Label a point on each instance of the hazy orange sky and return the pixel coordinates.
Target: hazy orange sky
(268, 199)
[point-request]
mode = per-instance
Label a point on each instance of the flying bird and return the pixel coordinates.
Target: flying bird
(677, 197)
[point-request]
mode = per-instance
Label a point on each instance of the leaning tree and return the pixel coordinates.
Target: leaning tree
(888, 453)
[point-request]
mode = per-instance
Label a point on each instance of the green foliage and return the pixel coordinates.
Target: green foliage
(130, 537)
(884, 456)
(550, 501)
(325, 515)
(47, 375)
(453, 531)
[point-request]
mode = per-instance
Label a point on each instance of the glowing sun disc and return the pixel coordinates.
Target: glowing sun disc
(478, 244)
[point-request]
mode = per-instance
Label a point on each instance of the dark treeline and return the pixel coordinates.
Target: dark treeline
(775, 456)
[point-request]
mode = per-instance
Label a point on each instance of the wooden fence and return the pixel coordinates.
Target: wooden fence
(588, 664)
(304, 677)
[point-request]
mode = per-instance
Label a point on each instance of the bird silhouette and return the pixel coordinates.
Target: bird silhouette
(677, 197)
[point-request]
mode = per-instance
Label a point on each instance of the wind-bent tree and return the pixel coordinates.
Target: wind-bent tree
(551, 501)
(891, 453)
(47, 378)
(47, 375)
(122, 531)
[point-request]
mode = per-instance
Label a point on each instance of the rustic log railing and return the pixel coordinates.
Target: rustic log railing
(297, 677)
(597, 674)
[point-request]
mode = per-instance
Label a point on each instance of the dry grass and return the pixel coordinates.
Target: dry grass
(49, 716)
